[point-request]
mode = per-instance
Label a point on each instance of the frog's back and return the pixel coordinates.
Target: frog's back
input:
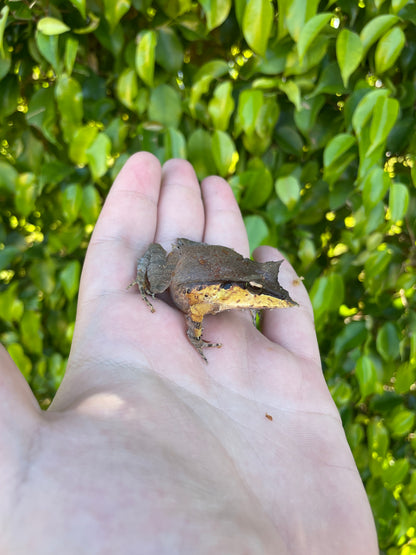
(204, 264)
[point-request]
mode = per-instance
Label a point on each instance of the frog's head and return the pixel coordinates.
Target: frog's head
(260, 290)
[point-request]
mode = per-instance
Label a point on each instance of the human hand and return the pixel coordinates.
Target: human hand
(148, 449)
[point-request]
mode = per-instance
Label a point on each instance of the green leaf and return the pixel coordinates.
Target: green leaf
(31, 330)
(5, 64)
(249, 105)
(26, 193)
(11, 307)
(337, 156)
(127, 88)
(42, 113)
(48, 47)
(341, 392)
(330, 80)
(401, 422)
(375, 187)
(366, 374)
(200, 153)
(175, 8)
(203, 79)
(7, 254)
(388, 49)
(294, 14)
(364, 109)
(221, 105)
(385, 114)
(327, 295)
(307, 252)
(404, 378)
(92, 24)
(69, 98)
(292, 91)
(9, 96)
(71, 200)
(378, 438)
(98, 154)
(397, 5)
(165, 106)
(69, 278)
(81, 141)
(257, 230)
(43, 275)
(257, 24)
(257, 186)
(20, 359)
(216, 12)
(398, 201)
(375, 267)
(145, 56)
(91, 204)
(8, 177)
(175, 144)
(114, 11)
(169, 50)
(349, 53)
(3, 21)
(310, 31)
(71, 49)
(395, 473)
(51, 26)
(388, 342)
(224, 153)
(376, 28)
(288, 190)
(80, 6)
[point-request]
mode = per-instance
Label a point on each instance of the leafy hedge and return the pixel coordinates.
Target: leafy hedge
(307, 108)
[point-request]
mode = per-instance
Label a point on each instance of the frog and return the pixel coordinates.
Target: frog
(207, 279)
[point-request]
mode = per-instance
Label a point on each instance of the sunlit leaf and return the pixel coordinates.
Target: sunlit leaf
(257, 24)
(310, 31)
(52, 26)
(216, 11)
(388, 49)
(398, 201)
(145, 56)
(349, 53)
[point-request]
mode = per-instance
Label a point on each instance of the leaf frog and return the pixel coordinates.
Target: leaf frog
(207, 279)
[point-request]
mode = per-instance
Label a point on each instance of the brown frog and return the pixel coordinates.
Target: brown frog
(206, 279)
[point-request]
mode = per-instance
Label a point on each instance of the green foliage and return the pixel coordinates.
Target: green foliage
(310, 116)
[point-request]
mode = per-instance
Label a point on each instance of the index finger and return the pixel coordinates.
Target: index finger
(125, 227)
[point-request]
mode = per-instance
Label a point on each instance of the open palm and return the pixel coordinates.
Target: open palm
(147, 448)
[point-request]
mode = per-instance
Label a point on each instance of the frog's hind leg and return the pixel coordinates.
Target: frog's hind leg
(194, 333)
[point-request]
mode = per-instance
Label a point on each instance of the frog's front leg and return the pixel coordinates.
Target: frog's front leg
(153, 273)
(194, 333)
(141, 278)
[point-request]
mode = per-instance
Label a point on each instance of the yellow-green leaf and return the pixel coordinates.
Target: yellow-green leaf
(349, 52)
(145, 56)
(257, 24)
(389, 49)
(51, 26)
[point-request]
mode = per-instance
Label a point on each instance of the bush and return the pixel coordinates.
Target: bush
(307, 109)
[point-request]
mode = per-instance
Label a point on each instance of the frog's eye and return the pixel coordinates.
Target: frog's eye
(226, 285)
(255, 286)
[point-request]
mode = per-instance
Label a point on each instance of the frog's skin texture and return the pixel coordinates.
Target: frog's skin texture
(206, 279)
